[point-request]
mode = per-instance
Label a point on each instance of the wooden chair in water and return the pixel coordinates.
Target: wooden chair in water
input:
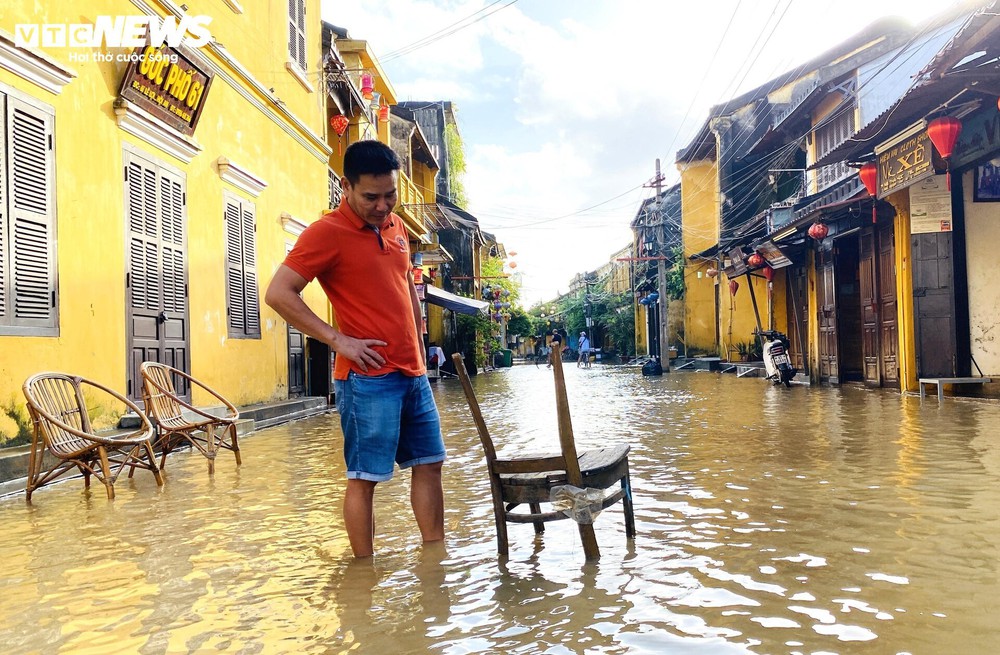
(204, 431)
(62, 427)
(530, 479)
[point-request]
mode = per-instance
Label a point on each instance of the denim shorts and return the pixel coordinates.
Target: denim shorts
(387, 418)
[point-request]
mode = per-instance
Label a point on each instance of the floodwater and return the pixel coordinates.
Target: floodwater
(770, 520)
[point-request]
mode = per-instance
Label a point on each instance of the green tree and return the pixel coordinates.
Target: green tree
(675, 274)
(456, 165)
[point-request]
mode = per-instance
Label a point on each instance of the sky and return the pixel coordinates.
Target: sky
(565, 105)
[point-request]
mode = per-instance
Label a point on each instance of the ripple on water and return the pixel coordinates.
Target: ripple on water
(807, 520)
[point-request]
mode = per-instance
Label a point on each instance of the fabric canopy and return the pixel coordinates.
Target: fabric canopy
(455, 303)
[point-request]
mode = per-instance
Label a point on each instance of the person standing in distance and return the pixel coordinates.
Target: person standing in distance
(555, 346)
(584, 357)
(359, 254)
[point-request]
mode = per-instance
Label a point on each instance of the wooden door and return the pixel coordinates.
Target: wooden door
(933, 299)
(888, 329)
(296, 362)
(156, 269)
(826, 297)
(868, 287)
(797, 290)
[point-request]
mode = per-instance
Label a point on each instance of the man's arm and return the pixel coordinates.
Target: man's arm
(417, 319)
(283, 297)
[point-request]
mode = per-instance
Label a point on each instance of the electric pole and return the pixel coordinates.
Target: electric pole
(661, 271)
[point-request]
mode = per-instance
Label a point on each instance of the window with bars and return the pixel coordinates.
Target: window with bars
(297, 33)
(336, 192)
(242, 292)
(836, 129)
(28, 275)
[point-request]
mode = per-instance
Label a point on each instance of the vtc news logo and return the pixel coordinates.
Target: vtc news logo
(116, 32)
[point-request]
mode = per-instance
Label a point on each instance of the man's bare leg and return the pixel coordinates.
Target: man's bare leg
(359, 516)
(427, 499)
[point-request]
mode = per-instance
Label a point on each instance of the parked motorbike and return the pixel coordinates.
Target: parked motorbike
(777, 364)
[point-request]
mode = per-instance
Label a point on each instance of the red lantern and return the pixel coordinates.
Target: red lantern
(433, 273)
(869, 177)
(339, 124)
(818, 231)
(383, 113)
(768, 273)
(755, 260)
(418, 275)
(512, 264)
(712, 272)
(367, 86)
(733, 286)
(944, 132)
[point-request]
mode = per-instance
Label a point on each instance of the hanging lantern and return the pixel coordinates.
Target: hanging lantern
(712, 272)
(383, 113)
(733, 287)
(644, 301)
(496, 293)
(653, 297)
(869, 177)
(506, 292)
(944, 132)
(497, 304)
(512, 264)
(367, 86)
(512, 253)
(755, 260)
(433, 273)
(418, 275)
(768, 273)
(818, 231)
(339, 124)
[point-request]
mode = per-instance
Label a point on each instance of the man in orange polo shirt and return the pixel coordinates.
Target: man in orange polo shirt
(360, 255)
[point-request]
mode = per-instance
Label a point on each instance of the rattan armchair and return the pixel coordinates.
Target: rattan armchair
(205, 432)
(62, 427)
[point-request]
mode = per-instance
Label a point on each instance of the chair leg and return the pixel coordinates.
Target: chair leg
(500, 518)
(152, 463)
(537, 509)
(236, 444)
(109, 482)
(627, 505)
(211, 447)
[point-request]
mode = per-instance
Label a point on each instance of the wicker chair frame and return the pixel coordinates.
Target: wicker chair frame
(62, 427)
(204, 431)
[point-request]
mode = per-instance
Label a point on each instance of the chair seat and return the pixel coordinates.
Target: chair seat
(601, 468)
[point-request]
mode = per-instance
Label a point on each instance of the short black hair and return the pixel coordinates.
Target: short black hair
(369, 158)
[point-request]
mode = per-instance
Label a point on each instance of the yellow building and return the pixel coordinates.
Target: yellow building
(147, 203)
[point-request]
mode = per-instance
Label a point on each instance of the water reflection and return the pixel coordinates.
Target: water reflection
(770, 520)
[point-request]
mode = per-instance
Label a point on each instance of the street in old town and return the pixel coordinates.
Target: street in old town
(770, 520)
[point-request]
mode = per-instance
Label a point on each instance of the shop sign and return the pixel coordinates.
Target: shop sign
(930, 206)
(980, 137)
(905, 163)
(773, 255)
(171, 83)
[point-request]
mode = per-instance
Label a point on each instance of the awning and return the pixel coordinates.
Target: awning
(455, 303)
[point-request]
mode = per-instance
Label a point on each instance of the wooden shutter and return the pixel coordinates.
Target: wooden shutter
(29, 220)
(297, 32)
(242, 292)
(144, 265)
(172, 243)
(250, 290)
(4, 230)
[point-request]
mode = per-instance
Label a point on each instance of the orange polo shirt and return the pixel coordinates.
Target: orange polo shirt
(367, 282)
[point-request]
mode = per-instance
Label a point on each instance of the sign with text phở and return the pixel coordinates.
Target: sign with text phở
(171, 83)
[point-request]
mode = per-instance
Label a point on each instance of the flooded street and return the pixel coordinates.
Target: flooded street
(770, 520)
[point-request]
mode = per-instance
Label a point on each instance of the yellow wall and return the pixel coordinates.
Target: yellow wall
(907, 354)
(700, 230)
(90, 201)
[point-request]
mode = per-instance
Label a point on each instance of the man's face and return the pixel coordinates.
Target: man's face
(373, 197)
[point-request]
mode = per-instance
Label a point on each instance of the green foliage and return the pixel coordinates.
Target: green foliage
(675, 274)
(456, 165)
(12, 410)
(472, 331)
(519, 323)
